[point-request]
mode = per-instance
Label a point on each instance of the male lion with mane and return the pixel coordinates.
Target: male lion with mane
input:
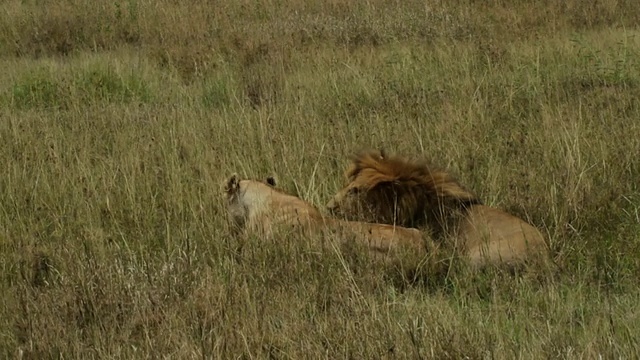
(258, 207)
(395, 190)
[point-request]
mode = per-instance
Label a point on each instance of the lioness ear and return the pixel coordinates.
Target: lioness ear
(271, 181)
(233, 183)
(382, 154)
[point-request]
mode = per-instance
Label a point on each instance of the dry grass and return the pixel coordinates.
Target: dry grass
(122, 120)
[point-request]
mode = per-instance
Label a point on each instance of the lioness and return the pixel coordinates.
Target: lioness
(258, 207)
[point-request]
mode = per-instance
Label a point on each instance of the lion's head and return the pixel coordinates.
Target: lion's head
(396, 190)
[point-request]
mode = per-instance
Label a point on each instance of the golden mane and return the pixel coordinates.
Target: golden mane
(396, 190)
(371, 168)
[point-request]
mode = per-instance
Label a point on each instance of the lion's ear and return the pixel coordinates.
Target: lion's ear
(383, 154)
(271, 181)
(233, 183)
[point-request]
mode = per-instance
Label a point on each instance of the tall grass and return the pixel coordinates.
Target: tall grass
(121, 121)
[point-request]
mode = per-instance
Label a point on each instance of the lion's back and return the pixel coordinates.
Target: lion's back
(498, 237)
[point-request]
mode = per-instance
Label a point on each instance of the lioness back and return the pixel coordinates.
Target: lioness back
(383, 237)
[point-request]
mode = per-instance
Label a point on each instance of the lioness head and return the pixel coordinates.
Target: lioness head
(243, 196)
(234, 184)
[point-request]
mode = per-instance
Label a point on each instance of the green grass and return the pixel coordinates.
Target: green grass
(121, 122)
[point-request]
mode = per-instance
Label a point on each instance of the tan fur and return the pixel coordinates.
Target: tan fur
(494, 236)
(395, 190)
(258, 207)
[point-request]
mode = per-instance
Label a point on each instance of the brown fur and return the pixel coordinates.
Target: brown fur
(395, 190)
(259, 207)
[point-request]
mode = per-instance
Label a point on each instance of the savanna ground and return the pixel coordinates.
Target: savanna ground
(121, 120)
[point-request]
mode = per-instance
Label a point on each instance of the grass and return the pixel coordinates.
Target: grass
(122, 121)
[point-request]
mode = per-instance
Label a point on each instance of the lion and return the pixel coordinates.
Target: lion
(259, 207)
(396, 190)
